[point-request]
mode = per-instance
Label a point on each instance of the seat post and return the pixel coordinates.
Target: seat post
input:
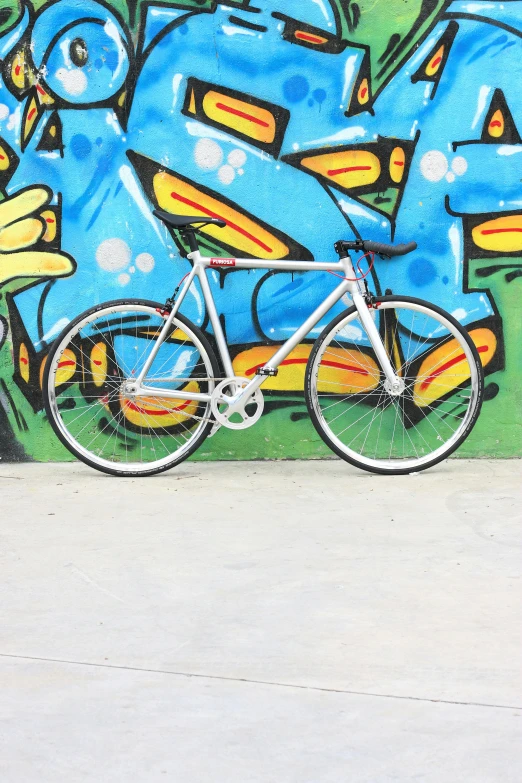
(190, 238)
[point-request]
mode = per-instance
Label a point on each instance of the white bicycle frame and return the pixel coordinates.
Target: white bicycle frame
(200, 264)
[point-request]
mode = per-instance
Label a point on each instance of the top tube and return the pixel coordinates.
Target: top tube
(259, 263)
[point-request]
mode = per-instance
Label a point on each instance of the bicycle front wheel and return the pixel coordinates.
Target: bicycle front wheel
(86, 400)
(442, 386)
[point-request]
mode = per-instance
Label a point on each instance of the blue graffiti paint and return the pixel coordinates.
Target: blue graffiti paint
(81, 146)
(296, 89)
(262, 65)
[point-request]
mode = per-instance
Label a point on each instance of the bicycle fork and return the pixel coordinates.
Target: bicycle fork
(394, 385)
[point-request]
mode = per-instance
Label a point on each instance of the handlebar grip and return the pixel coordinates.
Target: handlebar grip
(389, 250)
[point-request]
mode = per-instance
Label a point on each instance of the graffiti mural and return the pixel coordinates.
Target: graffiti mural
(298, 122)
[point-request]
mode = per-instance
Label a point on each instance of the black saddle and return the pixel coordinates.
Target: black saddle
(182, 221)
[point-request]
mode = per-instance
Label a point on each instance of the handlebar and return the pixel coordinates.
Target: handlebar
(367, 246)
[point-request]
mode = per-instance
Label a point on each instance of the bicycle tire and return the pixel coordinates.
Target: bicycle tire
(132, 420)
(433, 376)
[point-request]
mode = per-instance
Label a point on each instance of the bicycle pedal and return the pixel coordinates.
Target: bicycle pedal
(214, 429)
(267, 371)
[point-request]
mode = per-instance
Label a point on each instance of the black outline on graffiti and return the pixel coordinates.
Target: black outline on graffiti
(146, 168)
(382, 144)
(198, 89)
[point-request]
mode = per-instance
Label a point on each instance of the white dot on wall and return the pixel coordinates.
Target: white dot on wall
(113, 255)
(237, 158)
(208, 154)
(132, 269)
(145, 262)
(433, 165)
(459, 165)
(501, 203)
(74, 82)
(4, 111)
(241, 172)
(124, 278)
(450, 176)
(226, 175)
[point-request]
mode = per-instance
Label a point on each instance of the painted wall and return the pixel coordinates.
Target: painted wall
(300, 122)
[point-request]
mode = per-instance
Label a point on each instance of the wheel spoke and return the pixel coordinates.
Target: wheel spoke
(93, 414)
(418, 427)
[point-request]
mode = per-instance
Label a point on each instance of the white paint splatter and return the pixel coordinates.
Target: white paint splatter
(459, 313)
(322, 6)
(450, 176)
(53, 332)
(455, 242)
(236, 31)
(433, 165)
(132, 187)
(176, 81)
(14, 119)
(473, 8)
(226, 175)
(208, 154)
(237, 158)
(459, 165)
(481, 104)
(507, 149)
(485, 303)
(124, 278)
(4, 111)
(345, 135)
(204, 132)
(145, 262)
(355, 209)
(112, 120)
(113, 255)
(349, 75)
(413, 128)
(74, 82)
(113, 33)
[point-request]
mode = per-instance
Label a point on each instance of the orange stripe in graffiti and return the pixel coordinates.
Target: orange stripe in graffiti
(234, 226)
(165, 412)
(334, 172)
(426, 382)
(501, 231)
(315, 39)
(242, 114)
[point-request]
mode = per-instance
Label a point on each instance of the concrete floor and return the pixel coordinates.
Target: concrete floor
(261, 623)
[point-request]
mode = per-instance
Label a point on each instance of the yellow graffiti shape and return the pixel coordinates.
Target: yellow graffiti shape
(20, 229)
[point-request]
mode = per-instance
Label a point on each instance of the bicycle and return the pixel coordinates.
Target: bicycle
(393, 384)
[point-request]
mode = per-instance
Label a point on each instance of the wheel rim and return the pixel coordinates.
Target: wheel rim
(91, 409)
(371, 427)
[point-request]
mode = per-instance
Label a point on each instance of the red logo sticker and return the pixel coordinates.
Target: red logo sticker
(222, 262)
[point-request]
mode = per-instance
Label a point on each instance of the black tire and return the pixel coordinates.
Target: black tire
(51, 410)
(311, 394)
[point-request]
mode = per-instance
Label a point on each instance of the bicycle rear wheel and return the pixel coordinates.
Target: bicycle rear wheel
(85, 400)
(438, 362)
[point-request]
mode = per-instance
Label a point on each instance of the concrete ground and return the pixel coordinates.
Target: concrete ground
(261, 623)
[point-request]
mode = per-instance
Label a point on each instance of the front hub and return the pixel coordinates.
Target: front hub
(396, 388)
